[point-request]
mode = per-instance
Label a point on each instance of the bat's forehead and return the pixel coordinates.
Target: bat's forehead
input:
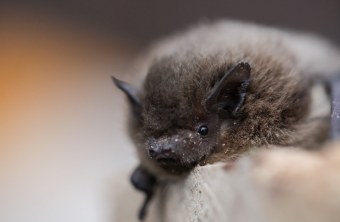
(181, 77)
(174, 91)
(167, 112)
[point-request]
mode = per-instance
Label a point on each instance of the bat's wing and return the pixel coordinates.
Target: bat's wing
(145, 182)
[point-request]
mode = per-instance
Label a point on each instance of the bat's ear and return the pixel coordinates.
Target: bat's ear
(132, 94)
(227, 95)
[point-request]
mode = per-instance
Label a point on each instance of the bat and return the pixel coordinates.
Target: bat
(222, 89)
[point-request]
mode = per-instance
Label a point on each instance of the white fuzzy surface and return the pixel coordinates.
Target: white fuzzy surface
(277, 185)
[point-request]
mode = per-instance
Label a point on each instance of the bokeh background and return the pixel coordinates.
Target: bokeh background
(62, 123)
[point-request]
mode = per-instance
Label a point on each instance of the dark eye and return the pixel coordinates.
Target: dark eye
(203, 130)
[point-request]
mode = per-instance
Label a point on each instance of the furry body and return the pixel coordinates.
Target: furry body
(182, 70)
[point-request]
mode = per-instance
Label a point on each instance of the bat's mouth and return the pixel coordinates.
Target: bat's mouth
(174, 165)
(167, 161)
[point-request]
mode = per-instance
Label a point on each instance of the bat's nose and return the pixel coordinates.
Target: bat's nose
(162, 151)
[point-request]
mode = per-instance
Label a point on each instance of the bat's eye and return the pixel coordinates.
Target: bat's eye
(203, 130)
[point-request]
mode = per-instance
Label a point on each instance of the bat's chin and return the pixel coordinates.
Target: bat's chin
(175, 166)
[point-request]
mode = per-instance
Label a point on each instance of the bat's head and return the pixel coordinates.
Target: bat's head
(180, 121)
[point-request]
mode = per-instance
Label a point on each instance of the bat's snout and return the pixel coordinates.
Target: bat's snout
(175, 152)
(161, 151)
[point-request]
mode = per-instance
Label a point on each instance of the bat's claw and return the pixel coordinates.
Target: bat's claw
(145, 182)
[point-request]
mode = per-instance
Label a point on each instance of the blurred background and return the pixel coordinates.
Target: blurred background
(62, 123)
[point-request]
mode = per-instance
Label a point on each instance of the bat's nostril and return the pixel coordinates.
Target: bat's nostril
(152, 152)
(167, 149)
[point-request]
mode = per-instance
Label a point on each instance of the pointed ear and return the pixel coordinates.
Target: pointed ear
(227, 96)
(132, 94)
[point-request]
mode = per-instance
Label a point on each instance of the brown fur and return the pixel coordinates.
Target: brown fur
(183, 69)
